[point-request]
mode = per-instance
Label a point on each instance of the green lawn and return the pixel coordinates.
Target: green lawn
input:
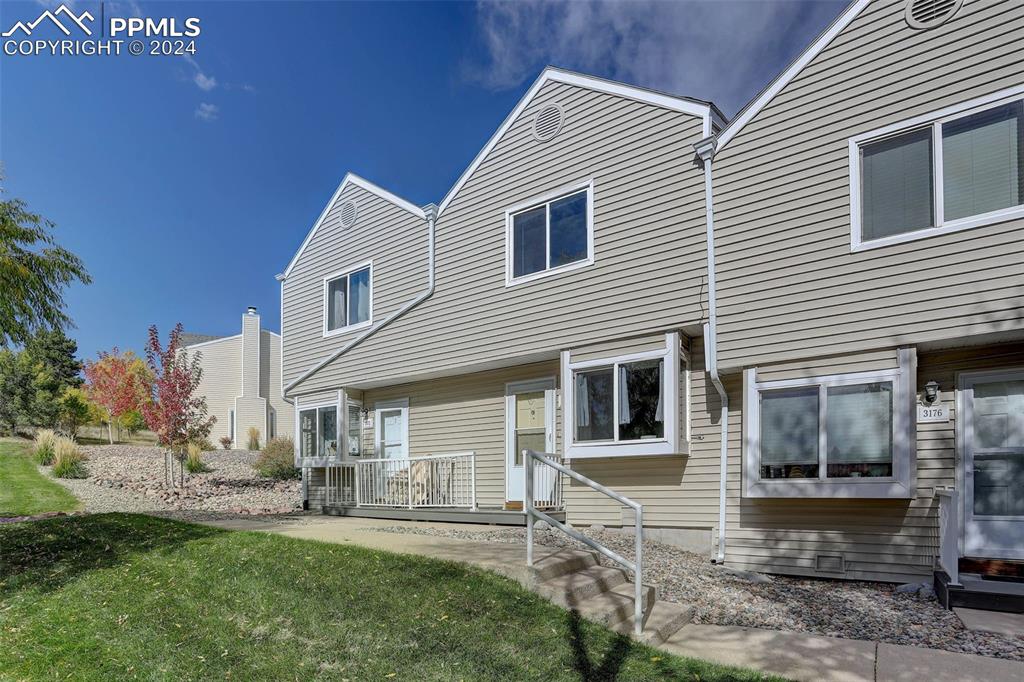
(119, 596)
(23, 490)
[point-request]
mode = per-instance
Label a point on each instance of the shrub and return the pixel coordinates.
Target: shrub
(194, 459)
(225, 442)
(68, 461)
(277, 460)
(204, 444)
(43, 447)
(254, 438)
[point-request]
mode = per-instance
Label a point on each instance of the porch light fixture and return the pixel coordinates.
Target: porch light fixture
(931, 392)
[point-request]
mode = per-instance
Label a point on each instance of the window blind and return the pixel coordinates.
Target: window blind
(981, 160)
(897, 185)
(789, 426)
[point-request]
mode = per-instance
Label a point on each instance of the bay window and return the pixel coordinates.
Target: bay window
(318, 432)
(843, 435)
(623, 405)
(550, 234)
(955, 169)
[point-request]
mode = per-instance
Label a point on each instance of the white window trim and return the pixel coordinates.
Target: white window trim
(935, 121)
(381, 405)
(337, 275)
(901, 485)
(317, 461)
(347, 403)
(547, 198)
(667, 445)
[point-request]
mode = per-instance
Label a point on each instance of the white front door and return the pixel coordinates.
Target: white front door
(529, 425)
(993, 422)
(392, 429)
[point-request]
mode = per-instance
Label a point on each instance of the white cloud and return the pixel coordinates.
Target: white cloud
(207, 112)
(201, 79)
(724, 50)
(204, 82)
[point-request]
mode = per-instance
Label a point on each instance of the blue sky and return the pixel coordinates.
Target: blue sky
(187, 184)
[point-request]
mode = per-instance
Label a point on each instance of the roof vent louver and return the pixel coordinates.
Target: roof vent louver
(347, 214)
(548, 122)
(922, 14)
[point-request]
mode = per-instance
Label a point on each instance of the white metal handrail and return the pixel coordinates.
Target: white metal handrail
(532, 512)
(447, 480)
(949, 533)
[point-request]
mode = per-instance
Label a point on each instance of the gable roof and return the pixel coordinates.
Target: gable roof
(351, 179)
(754, 106)
(712, 117)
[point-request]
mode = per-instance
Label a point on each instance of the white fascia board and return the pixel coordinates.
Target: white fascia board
(351, 178)
(755, 106)
(211, 342)
(703, 110)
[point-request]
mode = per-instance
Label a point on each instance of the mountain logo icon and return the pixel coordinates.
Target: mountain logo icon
(76, 20)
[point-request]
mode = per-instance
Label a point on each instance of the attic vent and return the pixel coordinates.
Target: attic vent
(930, 13)
(348, 214)
(548, 122)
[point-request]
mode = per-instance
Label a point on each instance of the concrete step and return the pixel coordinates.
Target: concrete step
(561, 563)
(615, 605)
(660, 623)
(573, 588)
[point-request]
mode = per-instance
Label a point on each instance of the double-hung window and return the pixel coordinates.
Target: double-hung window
(550, 234)
(348, 300)
(956, 169)
(623, 405)
(841, 435)
(318, 432)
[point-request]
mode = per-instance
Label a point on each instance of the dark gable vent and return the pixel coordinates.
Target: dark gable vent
(923, 14)
(548, 122)
(347, 214)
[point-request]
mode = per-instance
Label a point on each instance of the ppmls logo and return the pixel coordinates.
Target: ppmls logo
(77, 20)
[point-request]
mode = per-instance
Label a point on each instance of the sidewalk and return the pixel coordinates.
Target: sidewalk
(797, 656)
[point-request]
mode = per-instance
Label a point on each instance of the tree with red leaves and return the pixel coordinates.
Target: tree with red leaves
(175, 413)
(119, 383)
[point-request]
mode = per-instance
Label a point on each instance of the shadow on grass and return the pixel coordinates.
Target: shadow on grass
(46, 554)
(610, 664)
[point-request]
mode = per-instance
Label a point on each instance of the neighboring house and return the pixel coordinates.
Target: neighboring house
(242, 382)
(863, 315)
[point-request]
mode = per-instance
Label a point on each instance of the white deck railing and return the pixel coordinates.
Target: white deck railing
(949, 533)
(340, 484)
(447, 480)
(544, 462)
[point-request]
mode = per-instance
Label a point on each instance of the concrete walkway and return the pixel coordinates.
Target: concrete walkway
(794, 655)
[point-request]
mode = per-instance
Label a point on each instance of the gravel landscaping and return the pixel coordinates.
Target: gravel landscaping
(130, 478)
(855, 610)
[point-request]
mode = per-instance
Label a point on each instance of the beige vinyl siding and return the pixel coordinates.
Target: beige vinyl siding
(456, 414)
(270, 385)
(788, 285)
(617, 347)
(648, 234)
(677, 491)
(462, 413)
(878, 539)
(392, 238)
(221, 382)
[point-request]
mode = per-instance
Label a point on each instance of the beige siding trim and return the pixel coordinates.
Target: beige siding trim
(648, 252)
(789, 286)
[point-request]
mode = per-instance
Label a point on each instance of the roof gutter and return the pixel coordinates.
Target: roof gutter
(431, 215)
(706, 151)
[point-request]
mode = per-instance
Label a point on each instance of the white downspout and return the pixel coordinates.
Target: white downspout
(431, 212)
(706, 151)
